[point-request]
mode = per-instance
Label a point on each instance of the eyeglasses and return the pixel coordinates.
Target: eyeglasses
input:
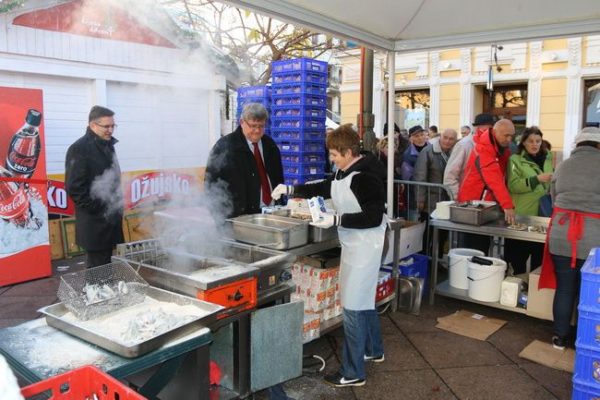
(255, 126)
(113, 126)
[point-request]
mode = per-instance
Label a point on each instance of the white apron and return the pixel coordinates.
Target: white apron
(361, 251)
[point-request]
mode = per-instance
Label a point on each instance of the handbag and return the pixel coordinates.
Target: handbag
(545, 207)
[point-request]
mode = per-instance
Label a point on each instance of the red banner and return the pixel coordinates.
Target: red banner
(157, 186)
(58, 200)
(92, 18)
(24, 241)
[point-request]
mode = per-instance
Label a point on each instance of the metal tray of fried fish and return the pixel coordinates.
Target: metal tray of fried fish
(55, 317)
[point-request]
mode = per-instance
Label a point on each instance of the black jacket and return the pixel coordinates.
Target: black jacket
(231, 171)
(367, 186)
(93, 181)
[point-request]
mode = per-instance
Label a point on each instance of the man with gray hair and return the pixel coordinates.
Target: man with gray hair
(246, 164)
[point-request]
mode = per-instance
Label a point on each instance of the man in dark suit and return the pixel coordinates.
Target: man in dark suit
(245, 165)
(93, 181)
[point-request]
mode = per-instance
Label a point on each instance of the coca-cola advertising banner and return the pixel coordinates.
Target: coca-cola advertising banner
(24, 245)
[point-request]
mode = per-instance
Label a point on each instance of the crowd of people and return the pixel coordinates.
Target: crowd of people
(521, 175)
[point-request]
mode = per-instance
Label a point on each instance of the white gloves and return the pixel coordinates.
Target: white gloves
(281, 190)
(327, 221)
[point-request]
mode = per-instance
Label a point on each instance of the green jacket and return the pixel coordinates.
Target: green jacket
(523, 185)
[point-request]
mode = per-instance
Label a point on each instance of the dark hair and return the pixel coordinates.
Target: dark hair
(385, 128)
(344, 138)
(588, 143)
(433, 128)
(99, 112)
(532, 130)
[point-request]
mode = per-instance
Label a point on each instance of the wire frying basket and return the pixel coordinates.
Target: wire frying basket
(97, 291)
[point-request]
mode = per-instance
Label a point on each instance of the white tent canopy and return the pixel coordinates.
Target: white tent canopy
(404, 25)
(413, 25)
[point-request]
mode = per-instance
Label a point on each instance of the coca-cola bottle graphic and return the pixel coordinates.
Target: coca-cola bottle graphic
(14, 202)
(24, 148)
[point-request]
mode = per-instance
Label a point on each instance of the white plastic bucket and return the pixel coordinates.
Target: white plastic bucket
(485, 281)
(457, 270)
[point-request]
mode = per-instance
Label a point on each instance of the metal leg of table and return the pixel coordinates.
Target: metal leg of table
(395, 266)
(241, 356)
(434, 265)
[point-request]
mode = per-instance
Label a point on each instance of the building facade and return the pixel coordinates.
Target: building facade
(553, 84)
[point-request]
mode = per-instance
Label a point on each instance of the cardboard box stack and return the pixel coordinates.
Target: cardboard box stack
(319, 289)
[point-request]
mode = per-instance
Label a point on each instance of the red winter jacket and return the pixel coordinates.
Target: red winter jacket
(492, 169)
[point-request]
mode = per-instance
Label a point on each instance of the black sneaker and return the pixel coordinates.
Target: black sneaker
(338, 380)
(379, 359)
(559, 343)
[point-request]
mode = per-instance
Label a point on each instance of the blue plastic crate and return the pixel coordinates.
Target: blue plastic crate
(296, 123)
(299, 64)
(587, 365)
(299, 100)
(289, 111)
(588, 327)
(309, 146)
(419, 267)
(300, 179)
(300, 88)
(283, 134)
(318, 157)
(254, 91)
(295, 169)
(584, 391)
(266, 102)
(317, 78)
(590, 281)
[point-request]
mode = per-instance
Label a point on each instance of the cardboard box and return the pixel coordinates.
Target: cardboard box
(539, 302)
(468, 324)
(411, 240)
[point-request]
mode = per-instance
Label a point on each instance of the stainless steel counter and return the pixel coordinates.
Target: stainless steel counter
(496, 228)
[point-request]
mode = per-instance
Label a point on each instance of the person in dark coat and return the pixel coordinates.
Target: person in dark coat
(93, 181)
(233, 170)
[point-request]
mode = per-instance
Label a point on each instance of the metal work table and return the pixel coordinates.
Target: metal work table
(493, 229)
(36, 351)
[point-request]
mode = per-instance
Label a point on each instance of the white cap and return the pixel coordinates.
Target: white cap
(589, 134)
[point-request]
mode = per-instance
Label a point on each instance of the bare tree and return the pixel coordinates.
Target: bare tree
(8, 5)
(252, 40)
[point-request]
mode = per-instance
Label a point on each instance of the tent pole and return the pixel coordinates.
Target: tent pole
(391, 67)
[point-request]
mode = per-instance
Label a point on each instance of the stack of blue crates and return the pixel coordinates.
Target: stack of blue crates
(298, 111)
(586, 379)
(254, 94)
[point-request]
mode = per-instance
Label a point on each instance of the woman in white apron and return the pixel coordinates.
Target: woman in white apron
(358, 195)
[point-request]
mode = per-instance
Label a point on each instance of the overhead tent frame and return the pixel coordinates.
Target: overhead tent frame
(485, 22)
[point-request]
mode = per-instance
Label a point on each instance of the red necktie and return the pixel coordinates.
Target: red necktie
(262, 172)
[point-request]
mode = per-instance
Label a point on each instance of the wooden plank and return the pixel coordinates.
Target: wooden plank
(56, 243)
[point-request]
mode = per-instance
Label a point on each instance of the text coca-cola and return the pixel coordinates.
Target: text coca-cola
(24, 148)
(14, 202)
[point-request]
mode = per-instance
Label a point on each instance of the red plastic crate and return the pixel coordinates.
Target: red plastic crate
(385, 289)
(81, 383)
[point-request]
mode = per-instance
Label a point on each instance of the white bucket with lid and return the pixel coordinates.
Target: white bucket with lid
(457, 270)
(485, 281)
